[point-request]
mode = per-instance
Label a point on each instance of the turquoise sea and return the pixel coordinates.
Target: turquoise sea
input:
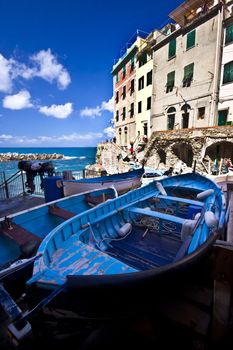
(76, 158)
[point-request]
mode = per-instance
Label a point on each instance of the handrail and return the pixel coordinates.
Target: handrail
(11, 178)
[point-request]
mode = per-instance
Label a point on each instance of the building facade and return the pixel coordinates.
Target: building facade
(186, 72)
(225, 106)
(180, 91)
(124, 83)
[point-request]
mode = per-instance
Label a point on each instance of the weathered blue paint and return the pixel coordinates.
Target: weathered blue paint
(90, 243)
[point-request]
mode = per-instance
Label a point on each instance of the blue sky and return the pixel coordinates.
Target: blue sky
(56, 58)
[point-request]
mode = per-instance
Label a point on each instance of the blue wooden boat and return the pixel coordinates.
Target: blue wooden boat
(123, 182)
(132, 245)
(21, 233)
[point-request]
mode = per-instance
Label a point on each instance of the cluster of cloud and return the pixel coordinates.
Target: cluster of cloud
(42, 64)
(70, 138)
(97, 111)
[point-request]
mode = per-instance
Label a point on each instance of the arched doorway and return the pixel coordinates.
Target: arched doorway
(171, 113)
(218, 150)
(185, 116)
(184, 152)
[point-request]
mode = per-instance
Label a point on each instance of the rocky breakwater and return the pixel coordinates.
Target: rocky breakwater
(9, 157)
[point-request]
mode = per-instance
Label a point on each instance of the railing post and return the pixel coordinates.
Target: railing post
(6, 185)
(23, 185)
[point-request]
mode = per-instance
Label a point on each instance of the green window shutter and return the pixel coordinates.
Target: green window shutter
(124, 71)
(117, 78)
(172, 48)
(191, 39)
(132, 63)
(228, 73)
(171, 122)
(171, 79)
(229, 34)
(188, 71)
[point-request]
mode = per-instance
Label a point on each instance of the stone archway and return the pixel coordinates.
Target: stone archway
(218, 150)
(184, 152)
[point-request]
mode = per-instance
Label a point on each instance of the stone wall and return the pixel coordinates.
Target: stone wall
(168, 148)
(189, 145)
(6, 157)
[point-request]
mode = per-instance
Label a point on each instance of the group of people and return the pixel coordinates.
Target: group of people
(225, 167)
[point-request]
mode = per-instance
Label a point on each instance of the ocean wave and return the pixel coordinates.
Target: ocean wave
(69, 157)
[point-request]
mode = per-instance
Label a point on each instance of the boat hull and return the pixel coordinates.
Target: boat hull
(121, 186)
(134, 244)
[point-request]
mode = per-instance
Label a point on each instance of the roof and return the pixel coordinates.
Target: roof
(188, 10)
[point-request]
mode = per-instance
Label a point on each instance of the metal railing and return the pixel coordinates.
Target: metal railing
(15, 185)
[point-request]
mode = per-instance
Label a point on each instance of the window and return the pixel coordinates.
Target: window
(125, 132)
(149, 78)
(141, 83)
(229, 34)
(228, 73)
(222, 117)
(172, 48)
(142, 59)
(132, 62)
(117, 97)
(124, 92)
(191, 39)
(188, 75)
(117, 116)
(131, 110)
(123, 71)
(140, 107)
(185, 115)
(117, 78)
(123, 113)
(170, 81)
(201, 113)
(132, 87)
(148, 103)
(171, 112)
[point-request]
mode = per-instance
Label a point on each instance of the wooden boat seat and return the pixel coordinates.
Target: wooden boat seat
(20, 235)
(157, 215)
(62, 213)
(181, 200)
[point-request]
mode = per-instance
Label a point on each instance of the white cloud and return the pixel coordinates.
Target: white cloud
(57, 111)
(4, 137)
(17, 101)
(108, 106)
(5, 76)
(90, 112)
(88, 138)
(43, 64)
(48, 68)
(97, 111)
(110, 132)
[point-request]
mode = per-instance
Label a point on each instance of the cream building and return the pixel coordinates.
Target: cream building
(186, 69)
(225, 106)
(144, 74)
